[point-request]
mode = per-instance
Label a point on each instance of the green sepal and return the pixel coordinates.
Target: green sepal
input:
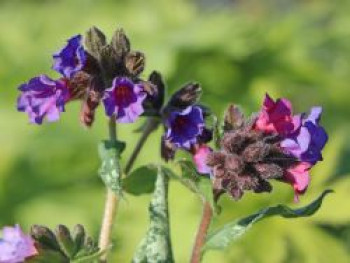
(65, 241)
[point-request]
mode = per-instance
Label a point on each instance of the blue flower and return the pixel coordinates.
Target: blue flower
(185, 126)
(71, 58)
(307, 143)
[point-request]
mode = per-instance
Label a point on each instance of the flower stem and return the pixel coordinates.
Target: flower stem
(202, 233)
(111, 204)
(150, 126)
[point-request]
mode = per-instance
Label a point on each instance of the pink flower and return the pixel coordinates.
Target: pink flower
(276, 117)
(298, 177)
(200, 157)
(15, 246)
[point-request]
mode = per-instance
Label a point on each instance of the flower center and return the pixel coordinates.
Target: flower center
(124, 96)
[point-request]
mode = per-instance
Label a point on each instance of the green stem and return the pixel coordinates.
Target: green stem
(151, 125)
(111, 205)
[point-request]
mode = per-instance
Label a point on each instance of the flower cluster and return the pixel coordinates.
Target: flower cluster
(185, 126)
(273, 145)
(99, 71)
(15, 246)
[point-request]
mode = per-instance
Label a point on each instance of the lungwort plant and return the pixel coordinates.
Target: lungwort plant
(234, 156)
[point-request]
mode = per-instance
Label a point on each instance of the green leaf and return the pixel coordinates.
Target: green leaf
(156, 246)
(222, 237)
(110, 170)
(141, 181)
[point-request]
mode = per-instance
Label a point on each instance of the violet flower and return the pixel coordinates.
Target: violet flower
(15, 246)
(124, 100)
(276, 117)
(307, 143)
(43, 97)
(71, 58)
(185, 126)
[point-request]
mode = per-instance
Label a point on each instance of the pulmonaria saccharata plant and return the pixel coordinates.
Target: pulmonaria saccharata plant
(275, 144)
(245, 154)
(94, 72)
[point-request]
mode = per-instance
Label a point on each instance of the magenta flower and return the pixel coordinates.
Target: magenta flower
(15, 246)
(298, 177)
(307, 143)
(184, 127)
(43, 97)
(276, 117)
(124, 100)
(71, 58)
(200, 154)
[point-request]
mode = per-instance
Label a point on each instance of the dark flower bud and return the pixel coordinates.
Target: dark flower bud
(233, 119)
(167, 149)
(186, 96)
(65, 240)
(44, 236)
(234, 163)
(120, 43)
(255, 152)
(95, 41)
(91, 66)
(110, 63)
(78, 235)
(216, 158)
(156, 100)
(78, 85)
(93, 98)
(135, 63)
(269, 170)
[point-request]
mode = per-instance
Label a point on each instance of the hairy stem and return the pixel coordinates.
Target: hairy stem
(151, 125)
(202, 233)
(111, 204)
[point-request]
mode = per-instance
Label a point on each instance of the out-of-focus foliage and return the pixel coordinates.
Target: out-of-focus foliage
(237, 50)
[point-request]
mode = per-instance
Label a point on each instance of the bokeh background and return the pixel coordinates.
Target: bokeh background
(237, 50)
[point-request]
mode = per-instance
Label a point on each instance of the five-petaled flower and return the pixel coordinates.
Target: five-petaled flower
(276, 117)
(185, 126)
(71, 58)
(15, 246)
(124, 100)
(307, 143)
(43, 97)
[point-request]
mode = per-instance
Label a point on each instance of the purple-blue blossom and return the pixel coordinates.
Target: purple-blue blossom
(15, 246)
(307, 143)
(124, 100)
(71, 58)
(185, 126)
(42, 98)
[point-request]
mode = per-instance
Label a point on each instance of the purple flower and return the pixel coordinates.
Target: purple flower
(307, 143)
(71, 58)
(184, 127)
(15, 246)
(43, 97)
(276, 117)
(124, 100)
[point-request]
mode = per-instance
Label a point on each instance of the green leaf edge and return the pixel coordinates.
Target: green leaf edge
(248, 221)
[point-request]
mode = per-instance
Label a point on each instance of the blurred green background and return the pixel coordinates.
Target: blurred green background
(237, 50)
